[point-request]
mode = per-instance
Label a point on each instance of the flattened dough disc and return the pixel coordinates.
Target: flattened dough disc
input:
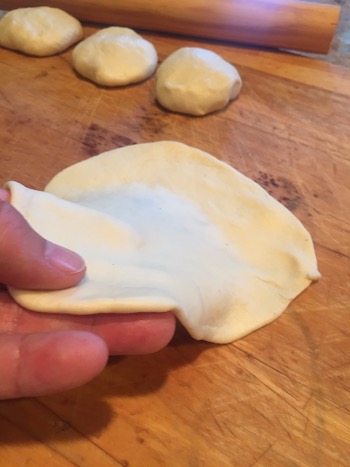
(164, 226)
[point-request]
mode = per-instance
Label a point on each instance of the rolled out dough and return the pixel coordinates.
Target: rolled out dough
(164, 226)
(39, 31)
(115, 56)
(196, 81)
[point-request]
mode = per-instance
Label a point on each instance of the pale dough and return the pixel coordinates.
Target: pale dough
(39, 31)
(164, 226)
(196, 81)
(115, 56)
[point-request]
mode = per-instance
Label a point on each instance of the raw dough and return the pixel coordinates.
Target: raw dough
(39, 31)
(115, 57)
(163, 226)
(196, 81)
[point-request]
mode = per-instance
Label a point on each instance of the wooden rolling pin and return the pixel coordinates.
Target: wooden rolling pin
(285, 24)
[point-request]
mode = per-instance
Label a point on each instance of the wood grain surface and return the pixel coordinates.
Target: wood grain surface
(280, 396)
(289, 24)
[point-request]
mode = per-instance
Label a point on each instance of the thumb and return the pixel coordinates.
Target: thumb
(29, 261)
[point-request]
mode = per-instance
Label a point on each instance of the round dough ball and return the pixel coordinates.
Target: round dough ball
(196, 81)
(115, 56)
(39, 31)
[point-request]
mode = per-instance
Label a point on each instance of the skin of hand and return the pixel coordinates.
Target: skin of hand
(45, 353)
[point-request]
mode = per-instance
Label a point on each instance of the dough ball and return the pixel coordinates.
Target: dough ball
(163, 226)
(196, 81)
(115, 57)
(39, 31)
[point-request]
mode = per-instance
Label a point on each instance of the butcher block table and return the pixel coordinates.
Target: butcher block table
(278, 397)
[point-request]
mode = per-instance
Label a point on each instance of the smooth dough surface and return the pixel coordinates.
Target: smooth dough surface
(164, 226)
(196, 81)
(115, 56)
(39, 31)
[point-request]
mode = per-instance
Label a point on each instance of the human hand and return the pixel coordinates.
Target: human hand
(44, 353)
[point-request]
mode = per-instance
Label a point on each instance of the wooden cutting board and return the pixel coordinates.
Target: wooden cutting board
(279, 397)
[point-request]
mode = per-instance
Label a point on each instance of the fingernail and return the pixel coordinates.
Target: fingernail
(64, 259)
(4, 195)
